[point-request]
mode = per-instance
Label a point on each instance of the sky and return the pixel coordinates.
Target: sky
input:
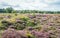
(46, 5)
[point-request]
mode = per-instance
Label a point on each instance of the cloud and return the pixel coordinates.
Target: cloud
(31, 4)
(50, 1)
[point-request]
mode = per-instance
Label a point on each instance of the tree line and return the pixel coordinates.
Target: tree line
(11, 10)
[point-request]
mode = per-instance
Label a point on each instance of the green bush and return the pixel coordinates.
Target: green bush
(19, 26)
(5, 24)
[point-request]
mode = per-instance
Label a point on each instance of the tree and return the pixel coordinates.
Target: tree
(9, 10)
(2, 10)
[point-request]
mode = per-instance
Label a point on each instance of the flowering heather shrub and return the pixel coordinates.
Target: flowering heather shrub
(39, 34)
(11, 33)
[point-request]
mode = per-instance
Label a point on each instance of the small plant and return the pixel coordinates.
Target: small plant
(30, 23)
(24, 19)
(29, 35)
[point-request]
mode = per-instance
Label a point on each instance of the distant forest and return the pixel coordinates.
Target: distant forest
(11, 10)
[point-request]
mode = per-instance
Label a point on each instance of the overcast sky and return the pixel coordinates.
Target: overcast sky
(52, 5)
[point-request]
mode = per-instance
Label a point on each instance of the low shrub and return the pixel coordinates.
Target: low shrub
(10, 34)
